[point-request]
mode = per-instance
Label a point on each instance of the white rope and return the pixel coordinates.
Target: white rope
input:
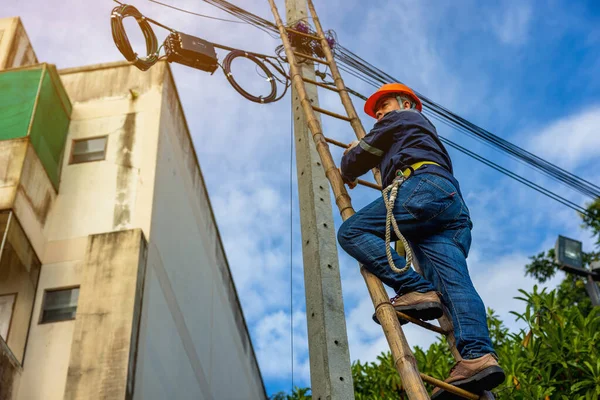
(390, 220)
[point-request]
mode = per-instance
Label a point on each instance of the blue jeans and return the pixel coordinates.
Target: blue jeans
(434, 218)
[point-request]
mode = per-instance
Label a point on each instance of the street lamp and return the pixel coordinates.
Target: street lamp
(569, 256)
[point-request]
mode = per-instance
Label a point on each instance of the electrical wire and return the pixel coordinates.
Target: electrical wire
(351, 63)
(377, 77)
(122, 41)
(195, 13)
(292, 248)
(251, 19)
(272, 97)
(515, 176)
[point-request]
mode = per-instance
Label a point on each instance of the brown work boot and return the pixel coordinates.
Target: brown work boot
(424, 306)
(476, 376)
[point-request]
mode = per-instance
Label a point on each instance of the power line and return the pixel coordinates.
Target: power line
(363, 70)
(516, 177)
(581, 185)
(195, 13)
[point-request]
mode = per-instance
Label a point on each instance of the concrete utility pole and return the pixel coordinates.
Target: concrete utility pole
(330, 372)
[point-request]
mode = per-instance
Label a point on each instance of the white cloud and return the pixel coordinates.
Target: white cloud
(273, 347)
(498, 281)
(572, 140)
(366, 338)
(512, 26)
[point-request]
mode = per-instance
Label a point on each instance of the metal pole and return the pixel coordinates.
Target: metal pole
(330, 372)
(592, 288)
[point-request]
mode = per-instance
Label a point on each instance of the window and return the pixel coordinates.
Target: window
(7, 308)
(19, 274)
(86, 150)
(59, 305)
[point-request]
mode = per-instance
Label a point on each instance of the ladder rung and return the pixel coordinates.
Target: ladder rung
(331, 114)
(421, 323)
(332, 88)
(308, 35)
(310, 58)
(448, 387)
(369, 184)
(336, 143)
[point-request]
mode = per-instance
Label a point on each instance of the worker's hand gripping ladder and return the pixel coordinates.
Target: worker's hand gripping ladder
(404, 360)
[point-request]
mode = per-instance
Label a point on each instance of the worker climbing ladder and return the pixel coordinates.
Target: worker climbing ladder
(404, 360)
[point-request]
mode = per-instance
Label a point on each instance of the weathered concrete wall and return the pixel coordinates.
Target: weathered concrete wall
(193, 340)
(119, 188)
(26, 188)
(105, 333)
(12, 156)
(10, 372)
(14, 278)
(94, 198)
(34, 199)
(192, 336)
(15, 47)
(49, 346)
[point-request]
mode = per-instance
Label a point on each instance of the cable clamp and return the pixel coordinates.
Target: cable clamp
(229, 74)
(115, 13)
(262, 101)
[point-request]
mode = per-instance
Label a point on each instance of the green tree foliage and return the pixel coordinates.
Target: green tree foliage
(591, 221)
(571, 290)
(556, 357)
(297, 394)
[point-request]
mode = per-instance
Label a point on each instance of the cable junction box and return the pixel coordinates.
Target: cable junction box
(191, 51)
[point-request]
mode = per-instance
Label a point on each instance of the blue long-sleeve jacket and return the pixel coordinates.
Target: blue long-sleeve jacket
(400, 139)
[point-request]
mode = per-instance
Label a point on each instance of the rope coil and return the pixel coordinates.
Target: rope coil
(390, 221)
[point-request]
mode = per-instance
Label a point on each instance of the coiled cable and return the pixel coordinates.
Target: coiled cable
(270, 77)
(122, 42)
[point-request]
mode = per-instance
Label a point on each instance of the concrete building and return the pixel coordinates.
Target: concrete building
(113, 279)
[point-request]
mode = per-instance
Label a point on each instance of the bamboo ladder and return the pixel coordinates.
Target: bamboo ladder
(404, 360)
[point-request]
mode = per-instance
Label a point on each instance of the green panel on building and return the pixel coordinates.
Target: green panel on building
(34, 103)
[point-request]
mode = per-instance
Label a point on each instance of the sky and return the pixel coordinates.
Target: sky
(526, 71)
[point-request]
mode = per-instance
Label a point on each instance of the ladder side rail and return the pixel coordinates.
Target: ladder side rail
(404, 360)
(337, 78)
(359, 130)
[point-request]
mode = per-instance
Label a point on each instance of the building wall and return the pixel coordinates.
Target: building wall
(115, 193)
(94, 198)
(193, 341)
(15, 47)
(15, 278)
(49, 347)
(10, 373)
(102, 361)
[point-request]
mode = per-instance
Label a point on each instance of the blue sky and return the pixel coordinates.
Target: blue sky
(526, 71)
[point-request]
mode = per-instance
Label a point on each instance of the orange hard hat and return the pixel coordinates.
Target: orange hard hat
(390, 88)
